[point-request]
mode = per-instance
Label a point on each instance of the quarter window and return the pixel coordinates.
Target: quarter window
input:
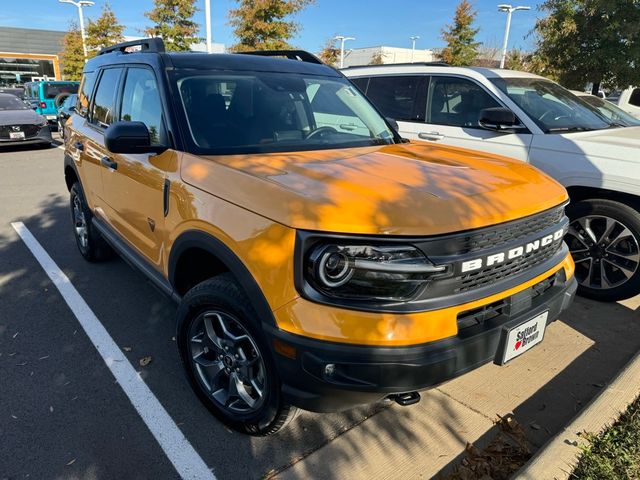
(457, 102)
(84, 93)
(141, 101)
(104, 103)
(399, 97)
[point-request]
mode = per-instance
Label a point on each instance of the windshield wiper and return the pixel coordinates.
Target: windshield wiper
(569, 129)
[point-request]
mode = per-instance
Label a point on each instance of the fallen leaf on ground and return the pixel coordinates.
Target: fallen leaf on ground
(71, 462)
(126, 349)
(144, 361)
(44, 358)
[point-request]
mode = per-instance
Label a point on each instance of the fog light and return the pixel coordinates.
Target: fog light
(329, 369)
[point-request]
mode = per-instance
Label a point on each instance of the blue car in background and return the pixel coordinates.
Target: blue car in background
(46, 96)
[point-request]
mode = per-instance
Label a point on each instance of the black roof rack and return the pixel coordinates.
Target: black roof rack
(150, 45)
(300, 55)
(427, 64)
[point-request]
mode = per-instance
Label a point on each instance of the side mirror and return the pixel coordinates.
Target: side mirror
(393, 123)
(499, 119)
(129, 137)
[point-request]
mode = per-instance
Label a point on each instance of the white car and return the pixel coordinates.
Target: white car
(609, 109)
(533, 119)
(629, 101)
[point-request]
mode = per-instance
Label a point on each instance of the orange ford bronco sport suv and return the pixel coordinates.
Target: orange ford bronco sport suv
(319, 261)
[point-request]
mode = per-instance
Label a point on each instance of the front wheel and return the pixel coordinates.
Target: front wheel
(227, 361)
(604, 239)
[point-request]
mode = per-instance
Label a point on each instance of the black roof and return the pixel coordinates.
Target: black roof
(152, 53)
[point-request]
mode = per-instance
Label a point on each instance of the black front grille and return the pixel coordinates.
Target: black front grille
(29, 130)
(480, 315)
(512, 231)
(496, 273)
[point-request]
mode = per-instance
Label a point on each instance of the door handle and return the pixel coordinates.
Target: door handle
(435, 136)
(107, 162)
(79, 146)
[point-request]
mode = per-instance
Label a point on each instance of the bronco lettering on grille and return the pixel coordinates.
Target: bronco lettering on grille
(501, 257)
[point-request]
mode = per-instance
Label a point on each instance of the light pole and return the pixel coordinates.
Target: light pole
(413, 45)
(342, 40)
(207, 13)
(79, 5)
(509, 10)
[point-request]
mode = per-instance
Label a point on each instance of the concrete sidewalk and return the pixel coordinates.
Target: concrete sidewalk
(544, 389)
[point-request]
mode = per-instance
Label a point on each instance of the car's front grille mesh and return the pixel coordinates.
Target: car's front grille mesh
(496, 273)
(29, 130)
(512, 231)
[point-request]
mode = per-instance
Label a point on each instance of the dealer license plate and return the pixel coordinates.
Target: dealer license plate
(522, 338)
(16, 135)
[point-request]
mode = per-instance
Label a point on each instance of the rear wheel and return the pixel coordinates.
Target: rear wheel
(604, 238)
(227, 361)
(90, 243)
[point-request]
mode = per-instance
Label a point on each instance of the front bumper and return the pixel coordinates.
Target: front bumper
(42, 137)
(366, 374)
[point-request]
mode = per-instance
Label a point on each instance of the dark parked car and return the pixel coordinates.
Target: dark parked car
(19, 124)
(66, 108)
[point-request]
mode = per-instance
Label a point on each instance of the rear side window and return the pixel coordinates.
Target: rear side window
(635, 97)
(141, 101)
(457, 102)
(104, 102)
(399, 97)
(84, 94)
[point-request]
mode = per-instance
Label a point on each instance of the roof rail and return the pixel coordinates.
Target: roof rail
(405, 64)
(300, 55)
(151, 45)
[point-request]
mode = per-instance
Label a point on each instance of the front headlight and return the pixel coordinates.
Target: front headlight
(42, 123)
(368, 272)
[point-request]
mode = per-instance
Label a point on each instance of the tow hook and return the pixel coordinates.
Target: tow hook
(406, 399)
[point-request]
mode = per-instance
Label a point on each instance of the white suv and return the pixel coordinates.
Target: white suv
(533, 119)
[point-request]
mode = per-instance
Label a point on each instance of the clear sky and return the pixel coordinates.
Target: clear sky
(372, 22)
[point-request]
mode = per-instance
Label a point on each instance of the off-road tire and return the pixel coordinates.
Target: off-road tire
(223, 294)
(95, 249)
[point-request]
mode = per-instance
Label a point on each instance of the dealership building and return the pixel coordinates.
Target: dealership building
(27, 54)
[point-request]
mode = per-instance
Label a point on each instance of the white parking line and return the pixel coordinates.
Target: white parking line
(179, 451)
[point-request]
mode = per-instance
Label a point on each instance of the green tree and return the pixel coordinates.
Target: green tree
(72, 55)
(516, 60)
(173, 22)
(261, 24)
(377, 59)
(103, 32)
(330, 53)
(462, 48)
(590, 41)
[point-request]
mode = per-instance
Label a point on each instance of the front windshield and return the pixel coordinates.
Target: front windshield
(553, 108)
(262, 112)
(9, 102)
(611, 111)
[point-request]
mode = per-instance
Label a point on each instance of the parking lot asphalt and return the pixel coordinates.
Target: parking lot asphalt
(62, 414)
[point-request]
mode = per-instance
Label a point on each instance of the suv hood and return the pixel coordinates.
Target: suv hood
(620, 143)
(406, 189)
